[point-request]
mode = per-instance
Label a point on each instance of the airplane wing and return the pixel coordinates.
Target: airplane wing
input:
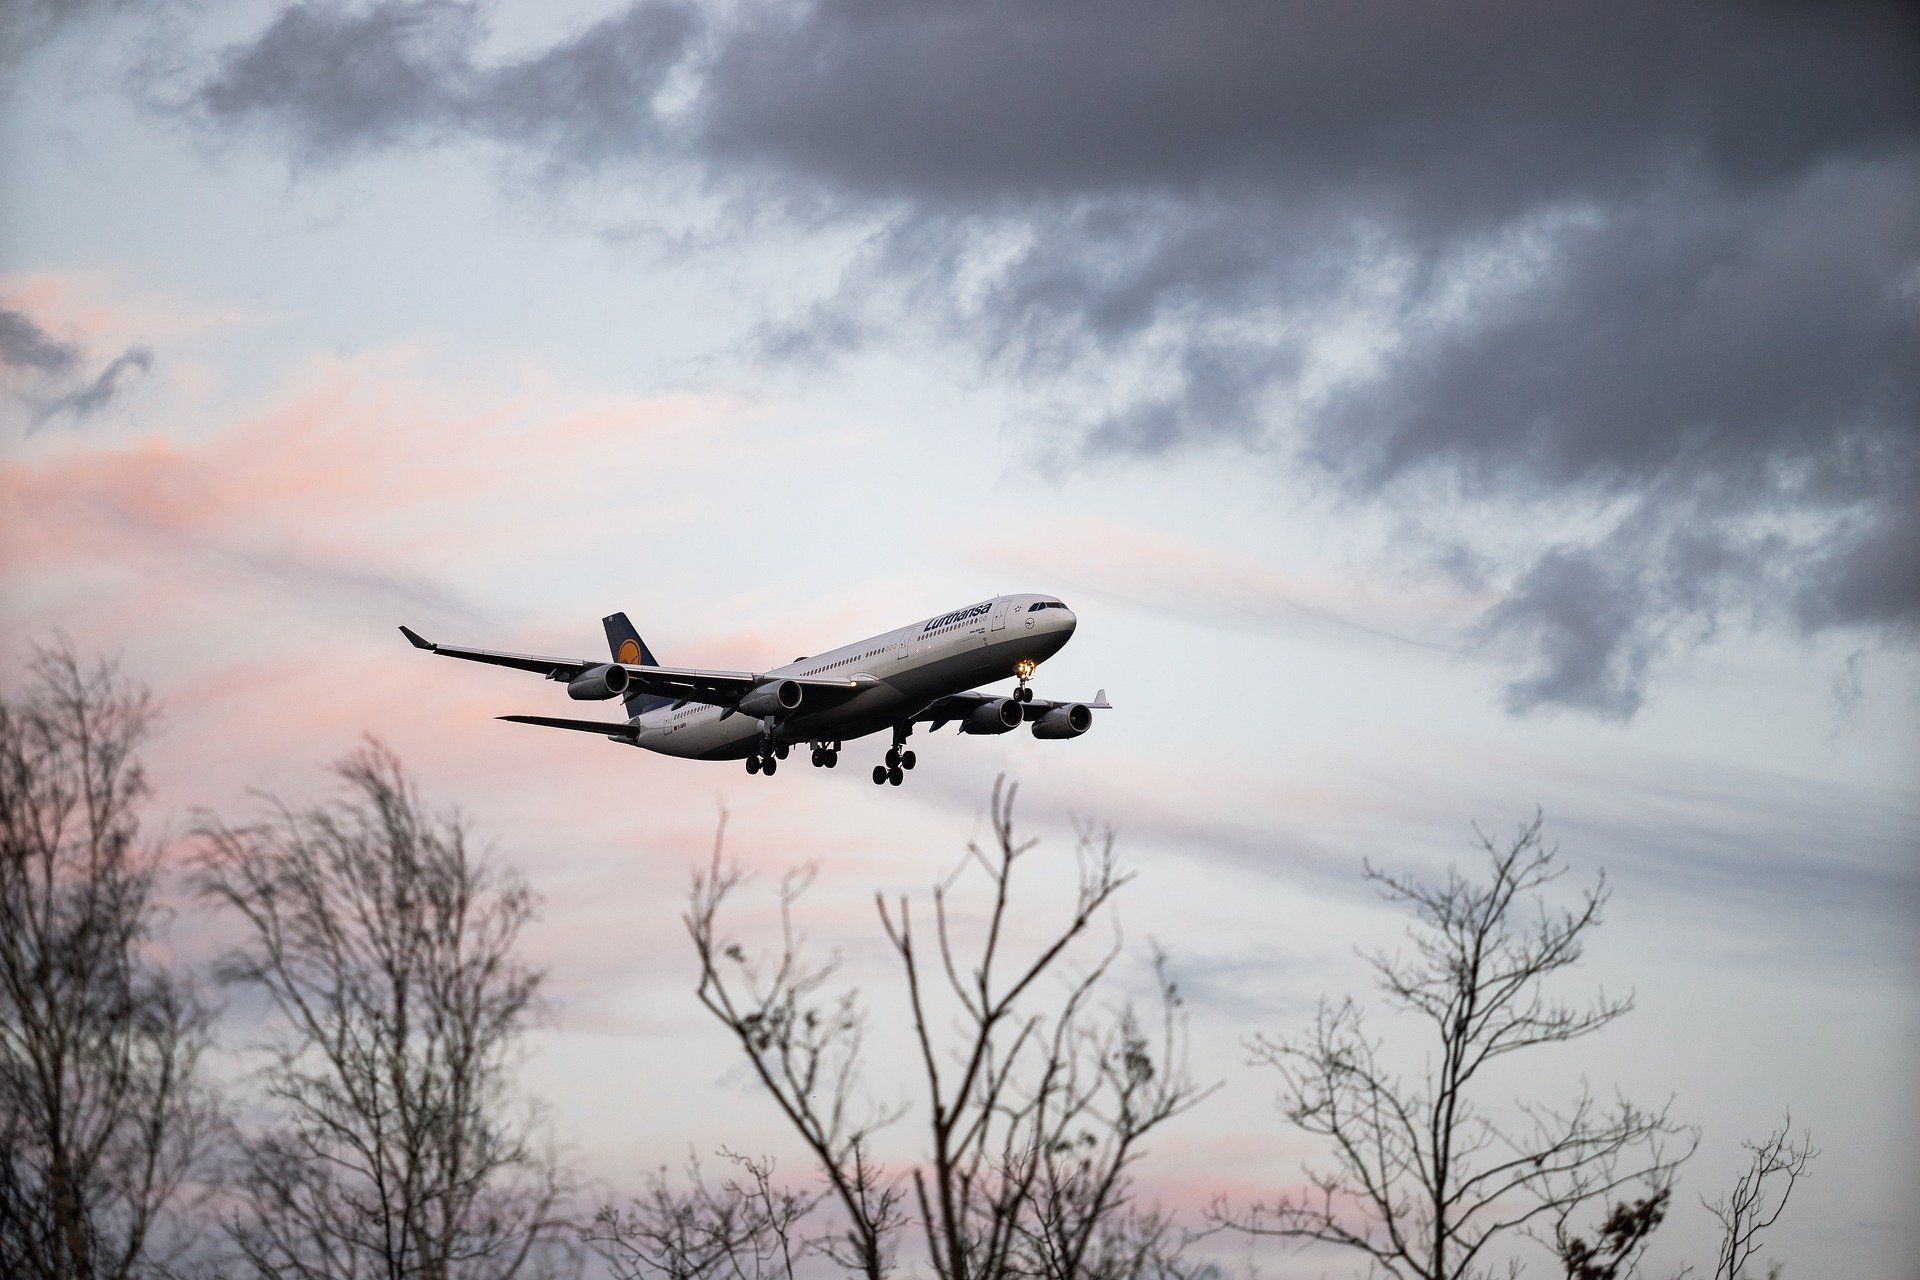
(687, 684)
(958, 706)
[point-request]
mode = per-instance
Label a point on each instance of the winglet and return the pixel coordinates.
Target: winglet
(418, 641)
(1100, 700)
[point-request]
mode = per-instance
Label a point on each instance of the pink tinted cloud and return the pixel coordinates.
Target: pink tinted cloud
(95, 306)
(360, 469)
(1160, 570)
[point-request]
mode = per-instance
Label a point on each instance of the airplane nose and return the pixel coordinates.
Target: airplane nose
(1069, 620)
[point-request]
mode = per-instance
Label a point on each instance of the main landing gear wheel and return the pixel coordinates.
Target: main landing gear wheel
(898, 760)
(781, 751)
(753, 764)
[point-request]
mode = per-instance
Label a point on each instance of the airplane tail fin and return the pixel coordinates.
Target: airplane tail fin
(625, 644)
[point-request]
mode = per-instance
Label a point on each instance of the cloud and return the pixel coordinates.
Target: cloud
(1644, 271)
(335, 80)
(1163, 572)
(46, 375)
(282, 496)
(25, 345)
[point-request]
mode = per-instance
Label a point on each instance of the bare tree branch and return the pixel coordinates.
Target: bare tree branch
(1037, 1108)
(1423, 1182)
(745, 1228)
(1758, 1198)
(386, 946)
(805, 1050)
(104, 1122)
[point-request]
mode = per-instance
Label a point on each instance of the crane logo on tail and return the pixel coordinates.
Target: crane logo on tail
(629, 651)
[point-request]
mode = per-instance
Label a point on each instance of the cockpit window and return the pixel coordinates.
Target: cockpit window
(1044, 604)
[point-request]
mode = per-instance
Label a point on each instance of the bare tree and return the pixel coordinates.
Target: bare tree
(386, 946)
(1038, 1099)
(1424, 1180)
(1758, 1198)
(744, 1228)
(103, 1123)
(806, 1050)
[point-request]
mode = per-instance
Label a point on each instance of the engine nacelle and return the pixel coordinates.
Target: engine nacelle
(1069, 721)
(597, 684)
(1002, 715)
(773, 699)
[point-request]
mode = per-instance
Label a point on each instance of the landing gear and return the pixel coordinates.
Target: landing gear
(767, 755)
(825, 755)
(1023, 671)
(898, 759)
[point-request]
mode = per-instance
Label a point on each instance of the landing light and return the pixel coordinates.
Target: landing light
(1024, 668)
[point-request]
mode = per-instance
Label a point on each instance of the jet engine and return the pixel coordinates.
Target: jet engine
(1002, 715)
(1069, 721)
(596, 684)
(772, 699)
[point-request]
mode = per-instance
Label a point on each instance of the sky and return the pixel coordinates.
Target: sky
(1431, 413)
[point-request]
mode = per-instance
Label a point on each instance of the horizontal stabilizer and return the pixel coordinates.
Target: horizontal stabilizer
(605, 728)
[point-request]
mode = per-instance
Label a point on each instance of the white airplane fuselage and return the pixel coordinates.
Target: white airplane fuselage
(902, 670)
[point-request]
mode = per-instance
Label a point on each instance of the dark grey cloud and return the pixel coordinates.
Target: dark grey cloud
(46, 376)
(1653, 265)
(1589, 619)
(100, 390)
(333, 80)
(24, 345)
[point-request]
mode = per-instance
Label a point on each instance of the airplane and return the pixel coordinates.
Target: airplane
(927, 672)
